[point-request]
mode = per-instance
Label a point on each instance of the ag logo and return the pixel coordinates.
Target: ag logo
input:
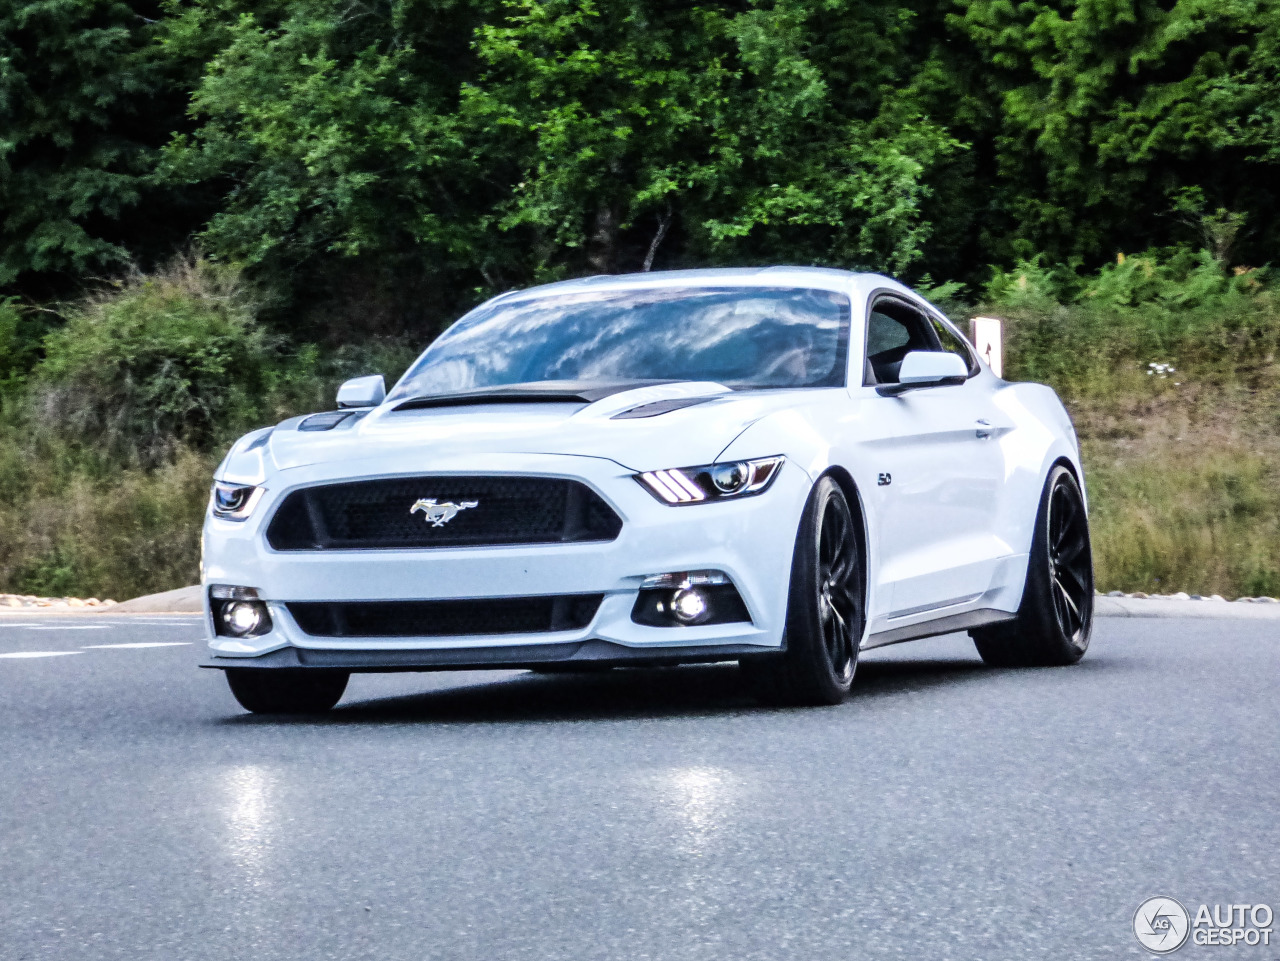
(1161, 925)
(437, 515)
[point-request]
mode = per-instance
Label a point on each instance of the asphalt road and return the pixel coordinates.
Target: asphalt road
(946, 811)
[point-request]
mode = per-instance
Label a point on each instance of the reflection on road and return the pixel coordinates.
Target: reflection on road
(702, 798)
(248, 811)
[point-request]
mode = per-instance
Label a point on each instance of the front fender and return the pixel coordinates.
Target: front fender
(1043, 436)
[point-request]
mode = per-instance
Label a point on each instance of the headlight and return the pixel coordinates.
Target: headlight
(692, 485)
(233, 502)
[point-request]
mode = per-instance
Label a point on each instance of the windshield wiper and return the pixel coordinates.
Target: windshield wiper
(540, 392)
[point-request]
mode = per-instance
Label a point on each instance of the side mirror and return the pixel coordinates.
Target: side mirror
(927, 368)
(362, 392)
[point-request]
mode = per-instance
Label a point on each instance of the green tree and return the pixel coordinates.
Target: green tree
(331, 128)
(84, 105)
(1093, 117)
(628, 118)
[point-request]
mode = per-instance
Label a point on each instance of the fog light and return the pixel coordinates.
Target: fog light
(243, 617)
(688, 599)
(689, 605)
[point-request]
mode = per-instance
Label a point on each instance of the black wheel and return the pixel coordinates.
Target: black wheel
(1056, 615)
(825, 612)
(275, 691)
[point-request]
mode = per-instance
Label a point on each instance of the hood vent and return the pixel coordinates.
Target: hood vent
(654, 408)
(330, 419)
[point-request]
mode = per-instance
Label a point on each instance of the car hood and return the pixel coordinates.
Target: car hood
(685, 436)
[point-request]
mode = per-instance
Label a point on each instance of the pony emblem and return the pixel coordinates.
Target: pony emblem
(437, 515)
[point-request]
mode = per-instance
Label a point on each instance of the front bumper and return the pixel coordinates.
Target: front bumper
(751, 540)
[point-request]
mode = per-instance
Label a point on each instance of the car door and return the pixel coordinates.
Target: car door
(939, 468)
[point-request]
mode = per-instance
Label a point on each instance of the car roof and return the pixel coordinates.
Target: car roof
(822, 278)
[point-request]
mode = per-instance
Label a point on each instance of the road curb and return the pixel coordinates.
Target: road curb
(185, 600)
(1166, 607)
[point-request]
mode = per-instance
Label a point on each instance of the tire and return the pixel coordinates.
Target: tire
(275, 691)
(1055, 617)
(825, 609)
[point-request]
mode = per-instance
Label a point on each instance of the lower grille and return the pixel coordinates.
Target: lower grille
(489, 615)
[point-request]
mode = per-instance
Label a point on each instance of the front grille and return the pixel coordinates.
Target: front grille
(441, 511)
(490, 615)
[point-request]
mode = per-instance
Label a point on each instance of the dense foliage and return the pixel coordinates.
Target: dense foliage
(87, 100)
(396, 158)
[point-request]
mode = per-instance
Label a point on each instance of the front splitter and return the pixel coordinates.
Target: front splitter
(512, 658)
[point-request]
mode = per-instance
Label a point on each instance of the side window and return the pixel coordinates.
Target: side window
(953, 344)
(894, 329)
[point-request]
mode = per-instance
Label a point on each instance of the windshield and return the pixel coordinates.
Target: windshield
(738, 337)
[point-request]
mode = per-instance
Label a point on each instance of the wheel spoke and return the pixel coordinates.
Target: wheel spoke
(842, 592)
(1059, 608)
(838, 537)
(1064, 524)
(831, 534)
(833, 644)
(1077, 577)
(1074, 616)
(841, 647)
(840, 570)
(1071, 551)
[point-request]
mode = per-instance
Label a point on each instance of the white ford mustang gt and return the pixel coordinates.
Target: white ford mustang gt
(780, 467)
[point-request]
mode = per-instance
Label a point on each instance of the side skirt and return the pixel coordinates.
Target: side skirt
(943, 625)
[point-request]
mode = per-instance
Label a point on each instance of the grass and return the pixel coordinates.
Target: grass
(1183, 504)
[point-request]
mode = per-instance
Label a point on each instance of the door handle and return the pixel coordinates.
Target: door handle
(984, 429)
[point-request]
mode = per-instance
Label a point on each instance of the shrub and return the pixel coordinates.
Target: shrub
(1175, 306)
(172, 358)
(127, 533)
(19, 343)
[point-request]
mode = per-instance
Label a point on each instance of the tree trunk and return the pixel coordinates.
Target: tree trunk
(664, 224)
(602, 246)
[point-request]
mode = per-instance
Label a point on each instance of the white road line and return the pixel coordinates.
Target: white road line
(148, 622)
(68, 627)
(99, 647)
(40, 653)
